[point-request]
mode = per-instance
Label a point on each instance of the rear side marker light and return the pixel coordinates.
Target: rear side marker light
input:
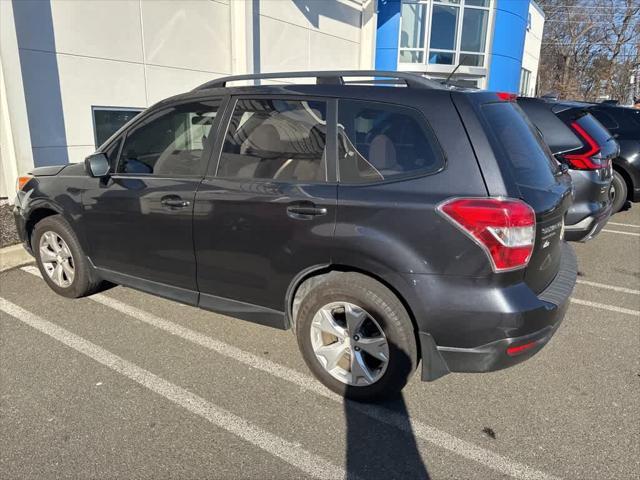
(22, 181)
(504, 228)
(518, 349)
(584, 160)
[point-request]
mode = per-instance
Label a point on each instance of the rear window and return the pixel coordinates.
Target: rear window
(531, 161)
(605, 119)
(594, 128)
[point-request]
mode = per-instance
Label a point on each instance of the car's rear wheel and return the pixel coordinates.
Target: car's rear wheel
(618, 192)
(356, 337)
(60, 258)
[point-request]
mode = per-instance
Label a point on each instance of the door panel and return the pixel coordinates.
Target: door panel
(250, 246)
(139, 221)
(267, 211)
(133, 231)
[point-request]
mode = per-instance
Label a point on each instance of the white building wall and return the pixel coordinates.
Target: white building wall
(532, 46)
(70, 56)
(15, 142)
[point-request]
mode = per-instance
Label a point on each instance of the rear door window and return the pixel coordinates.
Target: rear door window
(378, 141)
(276, 139)
(531, 161)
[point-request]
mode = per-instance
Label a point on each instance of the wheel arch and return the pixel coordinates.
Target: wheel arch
(36, 215)
(618, 167)
(321, 271)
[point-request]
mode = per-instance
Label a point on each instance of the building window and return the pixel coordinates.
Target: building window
(107, 121)
(451, 32)
(412, 33)
(525, 80)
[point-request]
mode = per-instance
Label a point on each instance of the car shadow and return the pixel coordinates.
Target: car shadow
(625, 207)
(379, 450)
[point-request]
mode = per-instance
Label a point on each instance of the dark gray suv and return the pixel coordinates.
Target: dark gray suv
(587, 149)
(386, 226)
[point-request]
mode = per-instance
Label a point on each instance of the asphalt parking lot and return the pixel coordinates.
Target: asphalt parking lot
(127, 385)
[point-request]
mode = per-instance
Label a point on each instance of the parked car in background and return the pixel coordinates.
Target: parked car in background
(355, 214)
(624, 125)
(587, 149)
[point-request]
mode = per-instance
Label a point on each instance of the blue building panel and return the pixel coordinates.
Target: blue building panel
(510, 28)
(387, 34)
(507, 46)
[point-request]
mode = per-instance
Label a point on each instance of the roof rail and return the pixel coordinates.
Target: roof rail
(331, 78)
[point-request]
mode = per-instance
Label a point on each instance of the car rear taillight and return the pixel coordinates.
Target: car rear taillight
(587, 160)
(504, 228)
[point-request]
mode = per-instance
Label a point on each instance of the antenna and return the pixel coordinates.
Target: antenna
(446, 80)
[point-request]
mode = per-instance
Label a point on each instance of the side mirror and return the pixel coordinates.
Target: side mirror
(97, 165)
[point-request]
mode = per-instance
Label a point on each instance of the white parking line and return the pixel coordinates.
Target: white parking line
(633, 234)
(623, 224)
(284, 450)
(608, 287)
(422, 431)
(603, 306)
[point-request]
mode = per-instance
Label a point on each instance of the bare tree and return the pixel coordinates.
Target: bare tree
(590, 48)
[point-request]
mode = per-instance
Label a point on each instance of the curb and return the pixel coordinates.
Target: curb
(14, 256)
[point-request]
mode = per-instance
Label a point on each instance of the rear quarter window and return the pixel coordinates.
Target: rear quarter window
(517, 140)
(378, 142)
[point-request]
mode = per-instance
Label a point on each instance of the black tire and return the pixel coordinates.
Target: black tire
(85, 281)
(387, 310)
(620, 191)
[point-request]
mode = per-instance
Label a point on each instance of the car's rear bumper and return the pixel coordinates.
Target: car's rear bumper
(592, 204)
(588, 227)
(513, 319)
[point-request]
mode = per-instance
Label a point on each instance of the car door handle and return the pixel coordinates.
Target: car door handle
(305, 211)
(174, 201)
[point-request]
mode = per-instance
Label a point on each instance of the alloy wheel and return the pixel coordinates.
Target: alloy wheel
(57, 259)
(349, 343)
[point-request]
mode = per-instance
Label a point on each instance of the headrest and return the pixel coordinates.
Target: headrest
(264, 138)
(382, 152)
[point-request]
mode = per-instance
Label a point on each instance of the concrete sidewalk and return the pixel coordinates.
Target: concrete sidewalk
(14, 256)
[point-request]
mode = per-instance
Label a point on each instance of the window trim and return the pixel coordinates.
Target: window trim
(331, 144)
(145, 116)
(396, 178)
(525, 82)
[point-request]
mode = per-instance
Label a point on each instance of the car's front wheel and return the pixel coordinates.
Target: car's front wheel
(60, 258)
(356, 337)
